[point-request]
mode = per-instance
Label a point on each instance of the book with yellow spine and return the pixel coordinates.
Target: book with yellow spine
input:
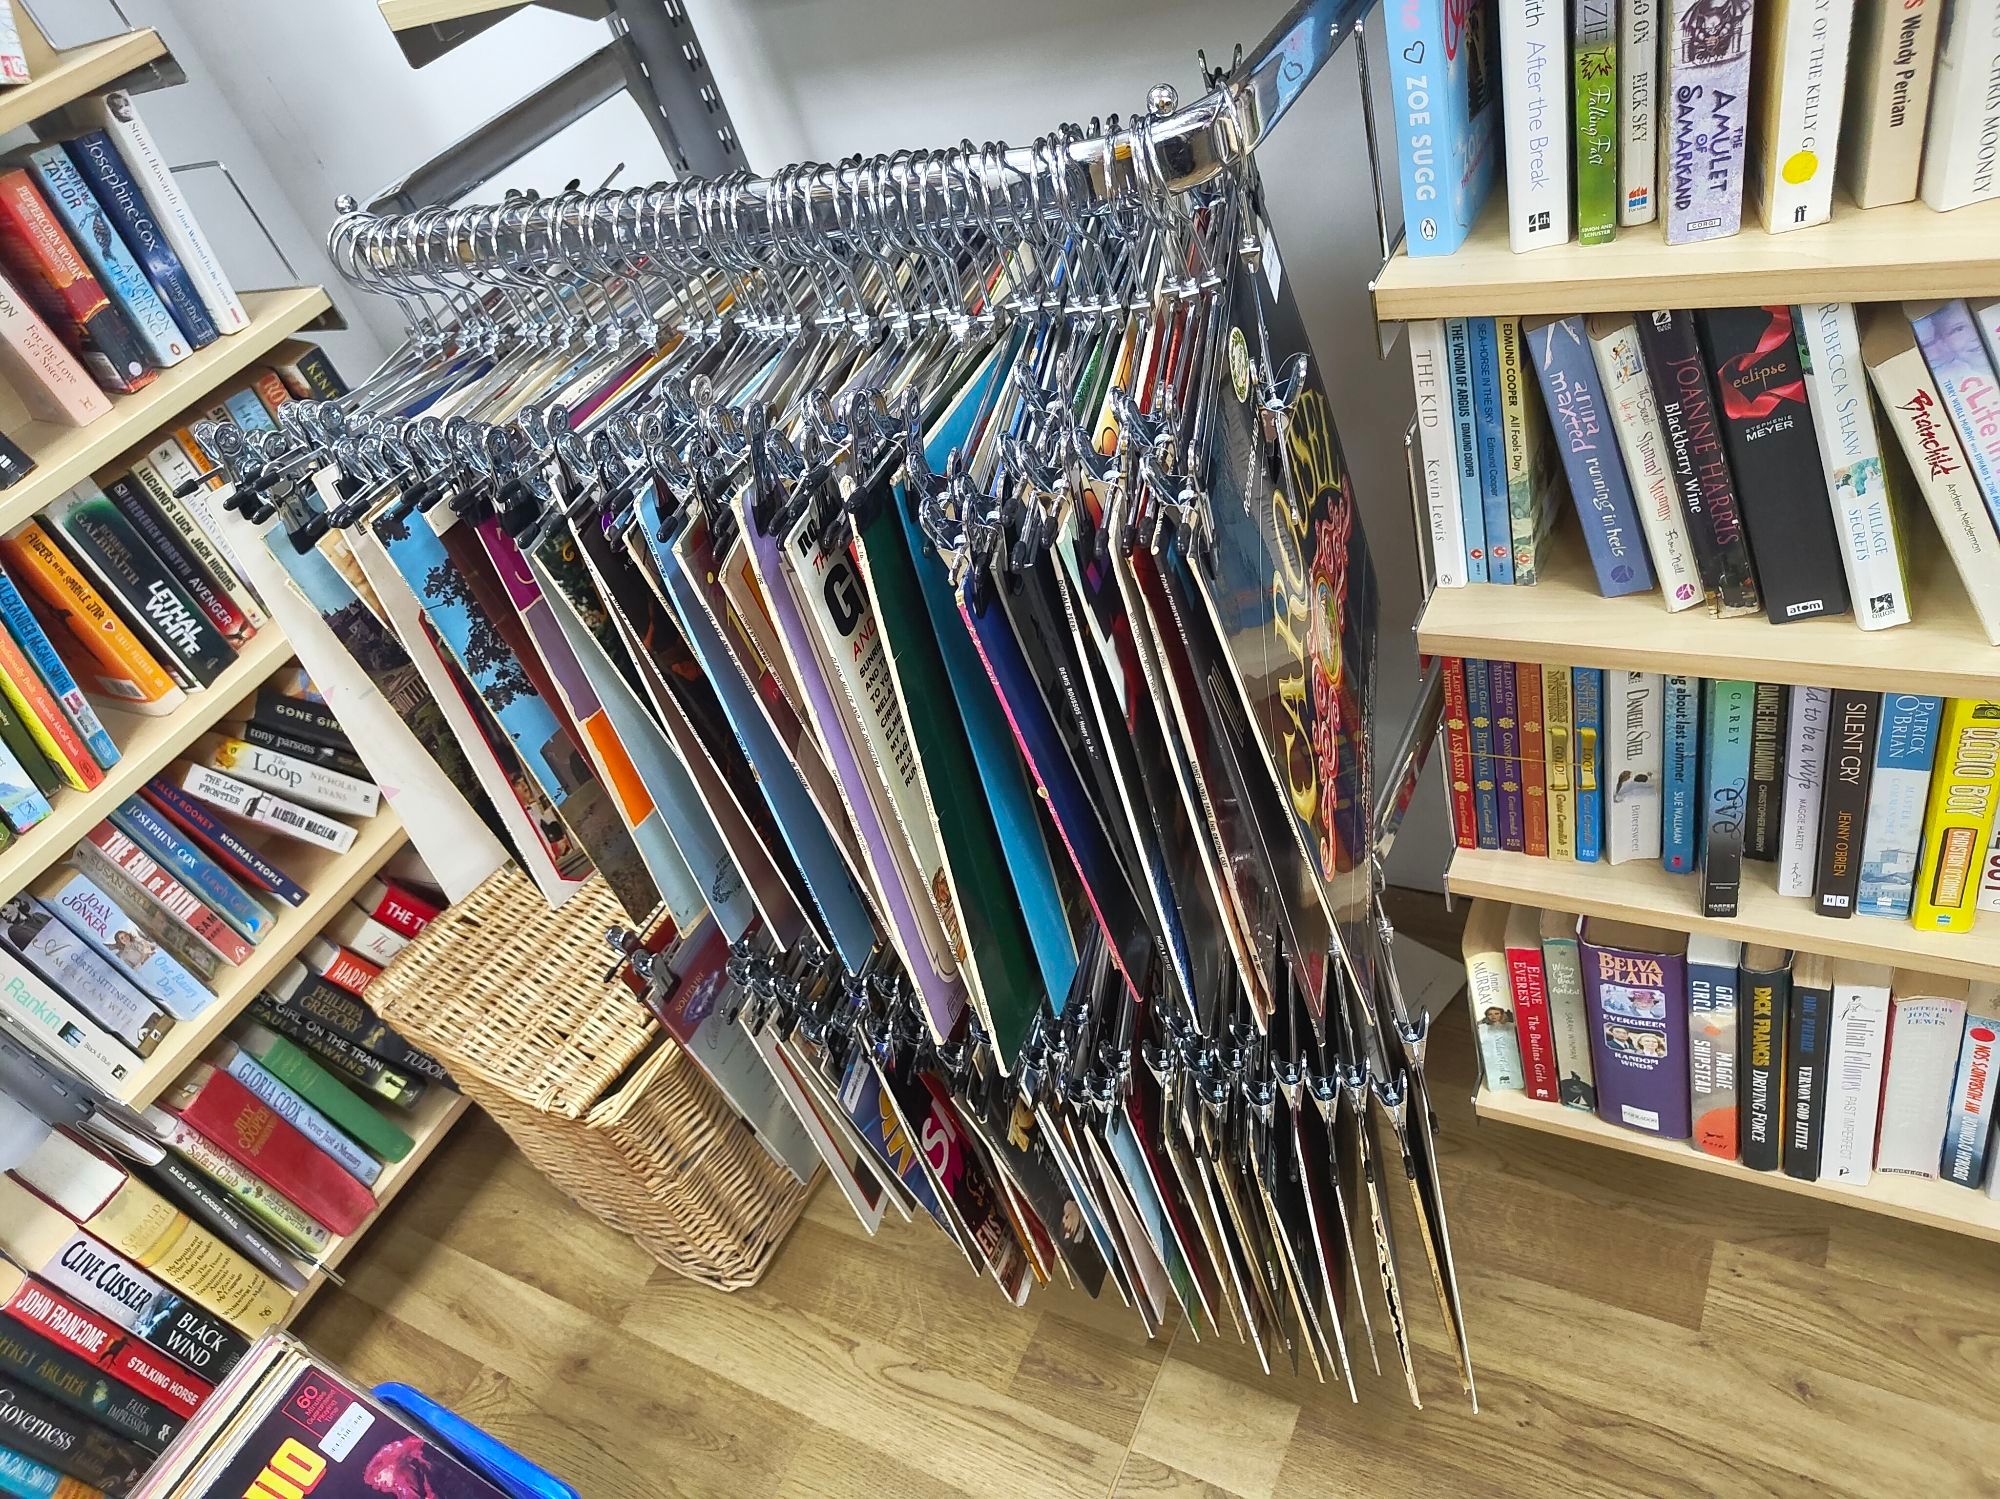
(93, 639)
(1958, 819)
(1556, 762)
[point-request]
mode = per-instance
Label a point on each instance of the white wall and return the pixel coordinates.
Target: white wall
(309, 99)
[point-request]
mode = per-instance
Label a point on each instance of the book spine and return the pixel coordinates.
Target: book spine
(23, 772)
(236, 860)
(1958, 361)
(271, 391)
(266, 809)
(54, 735)
(1924, 1039)
(1517, 423)
(256, 1138)
(1893, 52)
(1587, 761)
(1485, 772)
(290, 1065)
(1598, 487)
(186, 1331)
(314, 721)
(1677, 370)
(266, 737)
(312, 786)
(197, 542)
(1491, 1004)
(1767, 427)
(1531, 1017)
(90, 1337)
(1969, 1123)
(147, 914)
(68, 963)
(190, 1259)
(86, 910)
(1851, 454)
(97, 158)
(182, 904)
(1445, 108)
(1594, 56)
(1534, 790)
(36, 1426)
(131, 501)
(1712, 1052)
(1958, 817)
(1642, 443)
(204, 1202)
(1632, 765)
(1805, 1076)
(1801, 72)
(273, 1209)
(62, 687)
(1850, 762)
(397, 907)
(1496, 524)
(1703, 138)
(1558, 761)
(1465, 445)
(1458, 755)
(1639, 1038)
(138, 821)
(342, 1011)
(125, 670)
(1893, 831)
(1960, 166)
(52, 384)
(1507, 756)
(306, 1119)
(369, 1073)
(366, 937)
(1638, 110)
(60, 1029)
(1436, 459)
(321, 380)
(1854, 1078)
(70, 1381)
(1726, 710)
(47, 268)
(1767, 768)
(1569, 1022)
(341, 968)
(1535, 114)
(1805, 772)
(1680, 788)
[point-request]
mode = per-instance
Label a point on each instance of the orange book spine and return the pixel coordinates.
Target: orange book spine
(53, 734)
(203, 464)
(270, 390)
(119, 665)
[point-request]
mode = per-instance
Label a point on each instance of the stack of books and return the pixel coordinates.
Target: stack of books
(1828, 1070)
(1620, 113)
(1867, 803)
(1747, 459)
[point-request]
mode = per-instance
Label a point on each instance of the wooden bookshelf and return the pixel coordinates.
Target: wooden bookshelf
(1937, 1204)
(66, 455)
(1563, 620)
(428, 1123)
(1906, 251)
(63, 77)
(330, 881)
(402, 15)
(1645, 892)
(145, 745)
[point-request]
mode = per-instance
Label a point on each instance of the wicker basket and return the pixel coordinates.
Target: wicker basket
(513, 994)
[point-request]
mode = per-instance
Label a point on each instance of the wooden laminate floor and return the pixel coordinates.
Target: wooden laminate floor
(1636, 1330)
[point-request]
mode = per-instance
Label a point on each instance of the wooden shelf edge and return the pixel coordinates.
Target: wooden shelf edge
(403, 15)
(380, 837)
(145, 745)
(438, 1111)
(1935, 1204)
(77, 72)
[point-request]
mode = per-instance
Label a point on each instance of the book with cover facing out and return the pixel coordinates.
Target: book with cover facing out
(1441, 65)
(1632, 766)
(1850, 763)
(1586, 706)
(1507, 756)
(1458, 755)
(1597, 482)
(1725, 791)
(1490, 998)
(1485, 773)
(1859, 1032)
(1569, 1016)
(1558, 761)
(1712, 967)
(1767, 427)
(1807, 1039)
(1893, 52)
(1528, 984)
(1635, 986)
(1594, 57)
(1926, 1025)
(1893, 835)
(1705, 107)
(1680, 774)
(1805, 771)
(1767, 771)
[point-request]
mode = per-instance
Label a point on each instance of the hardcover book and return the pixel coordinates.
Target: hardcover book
(1558, 770)
(1496, 520)
(1800, 69)
(1926, 1026)
(1638, 112)
(1893, 53)
(1805, 771)
(97, 158)
(1485, 770)
(1632, 765)
(1594, 57)
(1435, 456)
(1893, 831)
(1958, 815)
(1507, 756)
(1635, 987)
(1586, 706)
(1490, 998)
(1528, 985)
(1441, 67)
(1864, 512)
(1534, 104)
(1767, 771)
(297, 1070)
(1850, 765)
(1635, 416)
(1681, 808)
(1807, 1043)
(295, 1111)
(1855, 1051)
(86, 910)
(1465, 446)
(1678, 369)
(1767, 427)
(1712, 966)
(1569, 1015)
(1960, 165)
(1725, 714)
(1597, 479)
(1968, 1128)
(1458, 755)
(1534, 791)
(1958, 360)
(44, 265)
(1705, 105)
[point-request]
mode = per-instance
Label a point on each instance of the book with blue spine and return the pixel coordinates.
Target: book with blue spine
(1725, 792)
(107, 254)
(1680, 800)
(125, 205)
(294, 1110)
(1507, 755)
(1586, 698)
(1905, 748)
(239, 860)
(1497, 521)
(247, 410)
(1485, 781)
(1948, 335)
(1465, 445)
(1447, 106)
(1589, 446)
(203, 875)
(34, 641)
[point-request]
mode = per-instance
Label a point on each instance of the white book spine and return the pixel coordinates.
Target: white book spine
(266, 809)
(1989, 883)
(1638, 111)
(1987, 315)
(1436, 457)
(1632, 748)
(1805, 768)
(310, 785)
(1487, 989)
(1802, 125)
(116, 115)
(1534, 59)
(1854, 1072)
(1961, 165)
(1892, 55)
(1642, 441)
(1850, 451)
(1916, 413)
(1916, 1094)
(58, 1029)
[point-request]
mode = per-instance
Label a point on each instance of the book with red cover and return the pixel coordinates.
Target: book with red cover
(1531, 1003)
(100, 1344)
(397, 907)
(1534, 790)
(187, 909)
(49, 271)
(337, 965)
(1458, 755)
(249, 1132)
